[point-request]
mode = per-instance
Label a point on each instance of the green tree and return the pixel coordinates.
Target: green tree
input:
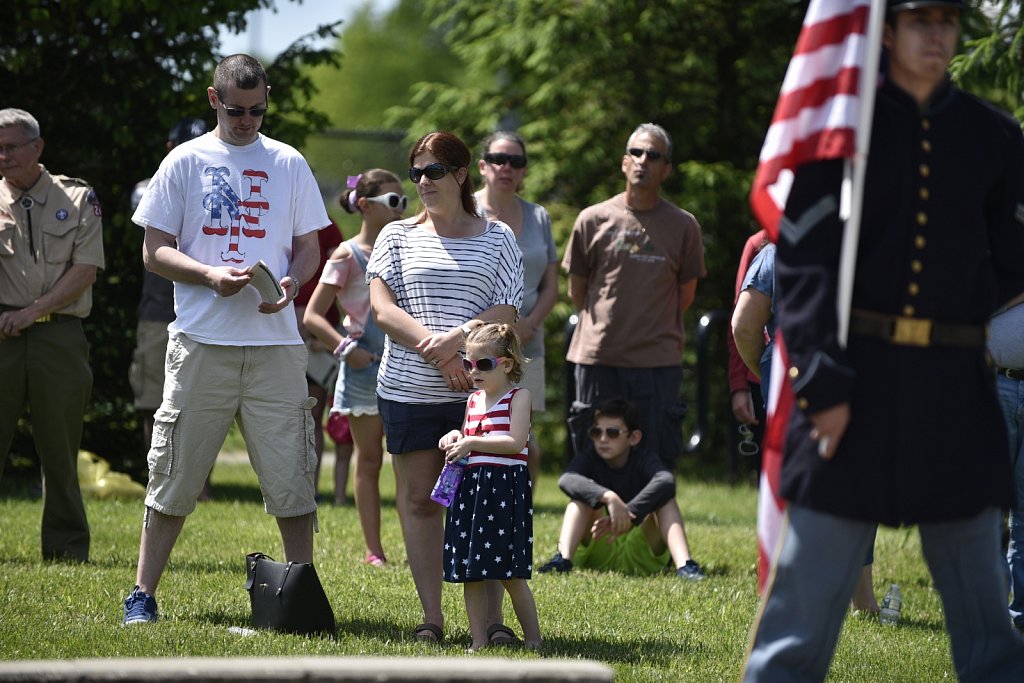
(383, 56)
(992, 63)
(107, 79)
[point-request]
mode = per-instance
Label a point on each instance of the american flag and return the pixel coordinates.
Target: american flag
(816, 117)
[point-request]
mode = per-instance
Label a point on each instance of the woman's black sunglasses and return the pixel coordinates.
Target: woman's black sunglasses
(500, 159)
(434, 171)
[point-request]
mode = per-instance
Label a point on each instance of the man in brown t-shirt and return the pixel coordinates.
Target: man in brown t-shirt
(633, 263)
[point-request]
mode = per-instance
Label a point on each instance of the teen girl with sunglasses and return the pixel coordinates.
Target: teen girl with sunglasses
(377, 195)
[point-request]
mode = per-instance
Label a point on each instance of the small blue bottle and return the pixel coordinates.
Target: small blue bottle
(448, 482)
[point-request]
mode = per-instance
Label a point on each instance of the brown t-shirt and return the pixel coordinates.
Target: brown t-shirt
(634, 262)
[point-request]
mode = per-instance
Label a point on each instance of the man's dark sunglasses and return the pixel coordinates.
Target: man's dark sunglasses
(434, 171)
(239, 112)
(652, 154)
(500, 159)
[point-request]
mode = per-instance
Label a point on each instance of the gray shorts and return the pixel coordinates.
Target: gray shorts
(264, 389)
(146, 373)
(533, 379)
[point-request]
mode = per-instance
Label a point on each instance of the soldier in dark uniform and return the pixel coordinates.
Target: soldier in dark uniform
(51, 244)
(902, 426)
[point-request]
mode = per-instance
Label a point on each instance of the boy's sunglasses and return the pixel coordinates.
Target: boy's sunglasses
(391, 199)
(637, 152)
(611, 432)
(500, 159)
(481, 364)
(434, 171)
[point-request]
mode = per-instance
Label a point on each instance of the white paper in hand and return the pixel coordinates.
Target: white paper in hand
(265, 283)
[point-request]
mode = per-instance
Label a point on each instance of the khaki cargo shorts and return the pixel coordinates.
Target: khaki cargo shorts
(263, 388)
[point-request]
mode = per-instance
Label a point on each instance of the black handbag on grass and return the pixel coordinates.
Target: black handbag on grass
(287, 596)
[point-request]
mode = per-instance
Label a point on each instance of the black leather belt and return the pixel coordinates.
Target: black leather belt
(1012, 373)
(906, 331)
(48, 318)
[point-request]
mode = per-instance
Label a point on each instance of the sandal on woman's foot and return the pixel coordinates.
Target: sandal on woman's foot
(499, 634)
(375, 560)
(428, 633)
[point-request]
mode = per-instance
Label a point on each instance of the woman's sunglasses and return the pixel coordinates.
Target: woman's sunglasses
(500, 159)
(434, 171)
(481, 364)
(612, 433)
(391, 199)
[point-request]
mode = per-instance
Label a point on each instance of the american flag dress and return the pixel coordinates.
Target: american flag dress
(488, 532)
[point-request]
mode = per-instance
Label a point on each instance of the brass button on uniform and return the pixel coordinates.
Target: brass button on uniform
(908, 310)
(802, 403)
(922, 218)
(923, 193)
(913, 289)
(926, 146)
(920, 242)
(916, 266)
(926, 124)
(924, 170)
(794, 373)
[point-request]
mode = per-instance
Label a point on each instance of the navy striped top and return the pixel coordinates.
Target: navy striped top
(441, 282)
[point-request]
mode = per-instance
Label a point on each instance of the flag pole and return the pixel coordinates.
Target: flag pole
(852, 191)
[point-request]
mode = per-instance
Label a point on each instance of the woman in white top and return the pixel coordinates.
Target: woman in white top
(377, 195)
(433, 279)
(503, 168)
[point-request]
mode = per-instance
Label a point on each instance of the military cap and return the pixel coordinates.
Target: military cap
(900, 5)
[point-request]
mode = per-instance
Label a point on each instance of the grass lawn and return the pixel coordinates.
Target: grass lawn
(651, 629)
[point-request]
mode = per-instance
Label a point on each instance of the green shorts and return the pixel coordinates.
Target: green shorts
(629, 554)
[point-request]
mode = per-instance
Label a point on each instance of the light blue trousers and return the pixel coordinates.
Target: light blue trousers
(1011, 398)
(806, 600)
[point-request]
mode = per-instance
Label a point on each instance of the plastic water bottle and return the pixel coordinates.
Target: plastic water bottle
(891, 604)
(448, 482)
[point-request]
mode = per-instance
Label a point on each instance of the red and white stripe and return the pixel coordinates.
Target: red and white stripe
(816, 118)
(770, 506)
(816, 115)
(494, 422)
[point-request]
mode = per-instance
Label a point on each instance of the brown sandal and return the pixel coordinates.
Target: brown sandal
(500, 635)
(428, 633)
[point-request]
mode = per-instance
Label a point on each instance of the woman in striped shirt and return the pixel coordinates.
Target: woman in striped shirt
(433, 280)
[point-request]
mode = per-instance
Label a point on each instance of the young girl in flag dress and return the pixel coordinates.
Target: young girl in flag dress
(489, 529)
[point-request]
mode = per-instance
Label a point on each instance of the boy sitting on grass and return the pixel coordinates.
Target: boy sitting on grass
(643, 526)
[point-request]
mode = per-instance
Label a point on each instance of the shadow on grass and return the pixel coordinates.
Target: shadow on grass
(655, 651)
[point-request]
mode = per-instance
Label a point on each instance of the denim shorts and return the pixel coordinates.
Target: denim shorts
(412, 427)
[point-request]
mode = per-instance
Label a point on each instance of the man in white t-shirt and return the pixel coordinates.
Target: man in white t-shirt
(216, 207)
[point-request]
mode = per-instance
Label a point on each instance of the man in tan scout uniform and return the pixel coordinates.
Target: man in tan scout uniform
(51, 244)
